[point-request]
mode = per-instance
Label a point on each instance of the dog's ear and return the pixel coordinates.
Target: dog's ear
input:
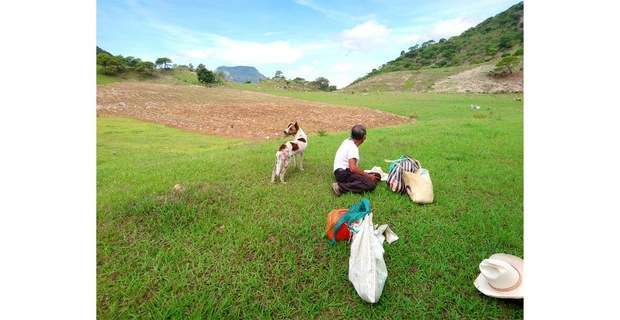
(296, 126)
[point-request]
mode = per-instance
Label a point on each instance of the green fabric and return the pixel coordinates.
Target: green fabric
(357, 211)
(393, 164)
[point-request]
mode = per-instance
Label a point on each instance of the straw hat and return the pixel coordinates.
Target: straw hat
(501, 276)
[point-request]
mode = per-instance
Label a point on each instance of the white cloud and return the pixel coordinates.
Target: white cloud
(409, 39)
(309, 73)
(254, 52)
(332, 14)
(241, 53)
(197, 53)
(342, 80)
(449, 28)
(344, 73)
(363, 37)
(341, 67)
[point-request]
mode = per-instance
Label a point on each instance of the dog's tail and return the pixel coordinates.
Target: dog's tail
(278, 162)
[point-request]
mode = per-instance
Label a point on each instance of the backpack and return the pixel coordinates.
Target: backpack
(395, 180)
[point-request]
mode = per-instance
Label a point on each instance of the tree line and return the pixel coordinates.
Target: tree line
(320, 83)
(118, 64)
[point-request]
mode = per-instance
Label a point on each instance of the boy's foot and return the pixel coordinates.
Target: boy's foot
(336, 189)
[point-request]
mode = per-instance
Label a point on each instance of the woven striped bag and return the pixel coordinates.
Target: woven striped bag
(395, 181)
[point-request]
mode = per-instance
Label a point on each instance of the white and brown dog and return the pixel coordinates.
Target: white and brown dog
(288, 150)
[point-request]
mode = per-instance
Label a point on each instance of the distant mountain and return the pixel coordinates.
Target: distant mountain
(240, 74)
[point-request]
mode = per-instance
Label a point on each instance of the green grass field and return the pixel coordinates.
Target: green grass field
(232, 245)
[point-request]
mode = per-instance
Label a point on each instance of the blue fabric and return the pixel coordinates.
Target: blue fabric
(357, 211)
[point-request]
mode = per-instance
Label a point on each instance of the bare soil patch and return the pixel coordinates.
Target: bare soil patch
(477, 81)
(228, 112)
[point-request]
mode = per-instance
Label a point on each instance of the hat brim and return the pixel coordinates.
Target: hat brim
(483, 286)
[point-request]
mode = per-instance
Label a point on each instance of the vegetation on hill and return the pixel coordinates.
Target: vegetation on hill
(114, 68)
(495, 38)
(118, 68)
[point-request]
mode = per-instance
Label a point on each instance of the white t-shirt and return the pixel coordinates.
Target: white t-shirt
(348, 150)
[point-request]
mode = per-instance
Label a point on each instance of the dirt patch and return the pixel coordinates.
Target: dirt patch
(228, 112)
(477, 81)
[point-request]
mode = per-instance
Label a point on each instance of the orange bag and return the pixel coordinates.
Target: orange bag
(332, 218)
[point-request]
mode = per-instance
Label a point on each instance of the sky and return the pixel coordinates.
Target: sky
(338, 40)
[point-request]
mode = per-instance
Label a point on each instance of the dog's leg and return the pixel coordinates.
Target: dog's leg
(295, 160)
(301, 161)
(286, 160)
(276, 168)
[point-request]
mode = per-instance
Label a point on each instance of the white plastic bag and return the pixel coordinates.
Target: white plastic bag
(367, 269)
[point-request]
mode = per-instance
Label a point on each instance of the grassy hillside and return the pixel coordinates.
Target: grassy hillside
(489, 41)
(229, 244)
(172, 76)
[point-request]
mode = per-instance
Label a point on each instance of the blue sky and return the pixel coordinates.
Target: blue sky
(338, 40)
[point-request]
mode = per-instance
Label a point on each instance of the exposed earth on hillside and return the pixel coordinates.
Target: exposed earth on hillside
(477, 81)
(456, 80)
(228, 112)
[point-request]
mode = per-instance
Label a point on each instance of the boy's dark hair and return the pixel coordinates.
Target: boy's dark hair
(358, 132)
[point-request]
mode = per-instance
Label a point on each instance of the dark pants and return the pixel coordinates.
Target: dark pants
(352, 182)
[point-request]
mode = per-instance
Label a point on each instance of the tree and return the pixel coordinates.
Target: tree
(145, 67)
(278, 75)
(116, 63)
(505, 42)
(104, 59)
(506, 65)
(132, 61)
(205, 75)
(322, 83)
(119, 63)
(163, 62)
(191, 67)
(427, 43)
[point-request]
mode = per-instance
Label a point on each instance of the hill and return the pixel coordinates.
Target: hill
(469, 56)
(99, 50)
(241, 74)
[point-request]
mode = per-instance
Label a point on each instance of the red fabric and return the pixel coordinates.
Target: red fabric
(332, 218)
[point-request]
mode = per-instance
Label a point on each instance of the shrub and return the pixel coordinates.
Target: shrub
(506, 65)
(205, 75)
